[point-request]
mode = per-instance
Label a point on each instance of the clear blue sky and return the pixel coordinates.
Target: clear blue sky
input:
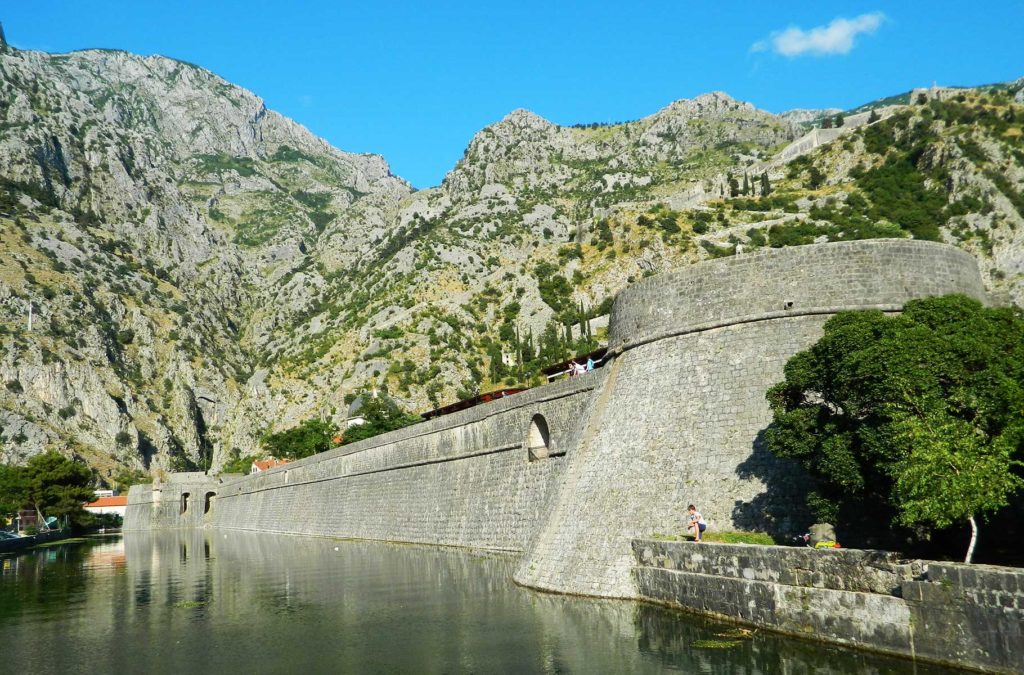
(414, 81)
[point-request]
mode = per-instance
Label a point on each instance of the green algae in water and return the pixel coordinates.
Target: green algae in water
(716, 644)
(61, 542)
(190, 604)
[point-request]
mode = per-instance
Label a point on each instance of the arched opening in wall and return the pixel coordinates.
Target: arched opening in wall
(208, 502)
(184, 502)
(538, 439)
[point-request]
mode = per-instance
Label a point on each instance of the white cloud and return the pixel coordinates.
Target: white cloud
(835, 38)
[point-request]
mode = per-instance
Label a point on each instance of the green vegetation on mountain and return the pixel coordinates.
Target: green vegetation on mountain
(203, 272)
(380, 414)
(311, 437)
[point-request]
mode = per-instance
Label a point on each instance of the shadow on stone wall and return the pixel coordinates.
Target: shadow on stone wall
(781, 509)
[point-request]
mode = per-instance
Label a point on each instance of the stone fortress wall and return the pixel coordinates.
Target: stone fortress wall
(963, 615)
(477, 478)
(181, 500)
(696, 350)
(675, 417)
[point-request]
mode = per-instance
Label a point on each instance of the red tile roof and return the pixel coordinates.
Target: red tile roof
(264, 464)
(110, 501)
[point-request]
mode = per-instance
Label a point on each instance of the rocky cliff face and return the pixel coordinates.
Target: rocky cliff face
(201, 269)
(153, 217)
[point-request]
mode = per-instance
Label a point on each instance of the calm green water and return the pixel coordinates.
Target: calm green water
(216, 602)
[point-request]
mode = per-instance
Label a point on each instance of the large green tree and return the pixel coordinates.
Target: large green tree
(915, 419)
(309, 438)
(12, 488)
(381, 414)
(50, 483)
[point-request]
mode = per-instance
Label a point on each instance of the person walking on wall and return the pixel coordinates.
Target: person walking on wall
(696, 523)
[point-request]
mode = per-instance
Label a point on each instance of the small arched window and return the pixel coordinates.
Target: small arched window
(538, 439)
(208, 502)
(184, 501)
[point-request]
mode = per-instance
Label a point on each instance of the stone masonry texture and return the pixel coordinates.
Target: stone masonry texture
(460, 480)
(967, 615)
(682, 413)
(675, 417)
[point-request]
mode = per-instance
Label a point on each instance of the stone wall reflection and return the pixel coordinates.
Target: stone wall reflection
(227, 601)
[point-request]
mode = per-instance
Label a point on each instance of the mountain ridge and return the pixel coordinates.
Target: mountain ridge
(204, 270)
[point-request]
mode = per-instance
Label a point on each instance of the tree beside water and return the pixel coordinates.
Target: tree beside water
(381, 414)
(907, 424)
(50, 483)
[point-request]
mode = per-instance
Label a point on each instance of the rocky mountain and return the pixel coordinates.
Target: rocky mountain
(201, 270)
(809, 116)
(154, 218)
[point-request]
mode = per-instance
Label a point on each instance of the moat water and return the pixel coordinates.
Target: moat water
(234, 602)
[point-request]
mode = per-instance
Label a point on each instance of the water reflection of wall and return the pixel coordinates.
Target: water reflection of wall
(429, 603)
(229, 601)
(51, 592)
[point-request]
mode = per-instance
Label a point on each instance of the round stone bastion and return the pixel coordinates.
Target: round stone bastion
(775, 283)
(681, 415)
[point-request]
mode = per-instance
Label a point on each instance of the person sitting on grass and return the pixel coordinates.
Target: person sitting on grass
(696, 523)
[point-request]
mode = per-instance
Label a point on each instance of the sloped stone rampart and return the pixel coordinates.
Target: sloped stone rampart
(696, 351)
(464, 479)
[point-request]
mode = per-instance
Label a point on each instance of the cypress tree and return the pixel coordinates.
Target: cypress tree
(766, 187)
(746, 184)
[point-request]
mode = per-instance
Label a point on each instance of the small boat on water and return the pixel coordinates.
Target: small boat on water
(11, 542)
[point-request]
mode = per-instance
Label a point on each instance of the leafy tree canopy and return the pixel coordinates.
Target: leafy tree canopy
(382, 414)
(12, 488)
(125, 478)
(913, 420)
(238, 463)
(309, 438)
(50, 483)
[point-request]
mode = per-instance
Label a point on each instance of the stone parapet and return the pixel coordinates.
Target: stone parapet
(941, 612)
(778, 283)
(860, 571)
(971, 614)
